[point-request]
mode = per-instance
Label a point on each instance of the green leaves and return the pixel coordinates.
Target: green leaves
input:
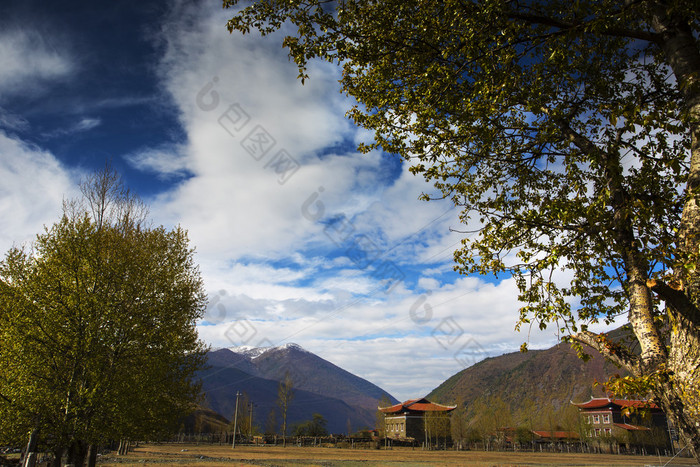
(100, 320)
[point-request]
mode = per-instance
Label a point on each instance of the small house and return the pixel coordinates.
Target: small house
(417, 418)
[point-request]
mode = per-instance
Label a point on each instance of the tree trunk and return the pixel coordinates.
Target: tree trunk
(124, 447)
(57, 458)
(76, 454)
(679, 393)
(29, 459)
(92, 456)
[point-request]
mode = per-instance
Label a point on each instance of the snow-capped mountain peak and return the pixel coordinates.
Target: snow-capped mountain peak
(255, 352)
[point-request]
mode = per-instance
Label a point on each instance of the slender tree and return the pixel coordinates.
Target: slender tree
(568, 133)
(380, 417)
(244, 420)
(271, 423)
(285, 394)
(481, 422)
(458, 424)
(437, 426)
(490, 415)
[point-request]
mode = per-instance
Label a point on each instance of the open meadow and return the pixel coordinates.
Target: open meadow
(208, 455)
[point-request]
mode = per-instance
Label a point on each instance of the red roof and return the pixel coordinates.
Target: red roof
(418, 405)
(597, 403)
(629, 427)
(557, 434)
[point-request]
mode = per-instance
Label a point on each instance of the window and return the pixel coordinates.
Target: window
(608, 431)
(606, 419)
(596, 419)
(597, 432)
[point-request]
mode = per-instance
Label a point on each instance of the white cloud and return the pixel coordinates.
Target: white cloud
(166, 162)
(78, 126)
(276, 271)
(427, 283)
(33, 189)
(237, 204)
(13, 121)
(438, 334)
(27, 59)
(234, 205)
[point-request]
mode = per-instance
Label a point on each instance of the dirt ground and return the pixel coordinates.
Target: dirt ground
(215, 455)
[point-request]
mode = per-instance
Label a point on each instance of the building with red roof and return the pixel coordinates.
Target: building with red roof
(417, 419)
(627, 421)
(556, 436)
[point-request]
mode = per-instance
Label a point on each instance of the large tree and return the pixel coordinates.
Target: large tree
(569, 133)
(97, 324)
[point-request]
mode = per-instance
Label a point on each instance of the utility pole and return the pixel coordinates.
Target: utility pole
(235, 421)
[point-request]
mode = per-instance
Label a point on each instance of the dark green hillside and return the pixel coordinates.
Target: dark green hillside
(538, 380)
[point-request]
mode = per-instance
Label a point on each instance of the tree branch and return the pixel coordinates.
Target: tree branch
(674, 297)
(611, 31)
(609, 349)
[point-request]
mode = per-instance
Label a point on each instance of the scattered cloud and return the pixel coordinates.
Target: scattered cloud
(34, 186)
(29, 60)
(11, 121)
(167, 162)
(79, 126)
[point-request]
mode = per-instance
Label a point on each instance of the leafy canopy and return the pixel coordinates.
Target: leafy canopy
(551, 122)
(97, 320)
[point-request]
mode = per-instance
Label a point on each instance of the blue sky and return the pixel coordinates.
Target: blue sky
(299, 237)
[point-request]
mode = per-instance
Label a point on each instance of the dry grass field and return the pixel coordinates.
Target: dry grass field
(214, 455)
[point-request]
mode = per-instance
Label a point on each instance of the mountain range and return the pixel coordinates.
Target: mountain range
(529, 384)
(346, 401)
